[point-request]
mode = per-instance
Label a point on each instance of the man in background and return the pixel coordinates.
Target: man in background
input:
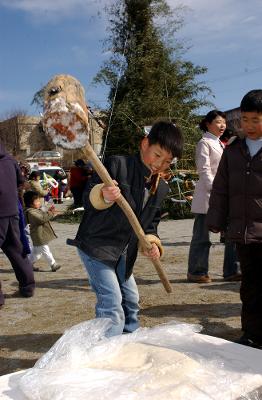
(10, 242)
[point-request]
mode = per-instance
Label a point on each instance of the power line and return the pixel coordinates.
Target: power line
(225, 78)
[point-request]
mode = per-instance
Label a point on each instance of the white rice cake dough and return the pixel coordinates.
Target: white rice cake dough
(162, 372)
(137, 357)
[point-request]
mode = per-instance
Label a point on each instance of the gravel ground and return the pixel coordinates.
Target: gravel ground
(29, 327)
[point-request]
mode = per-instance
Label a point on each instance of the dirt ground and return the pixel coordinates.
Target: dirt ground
(29, 327)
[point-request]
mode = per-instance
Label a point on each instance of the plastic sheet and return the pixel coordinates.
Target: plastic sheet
(84, 364)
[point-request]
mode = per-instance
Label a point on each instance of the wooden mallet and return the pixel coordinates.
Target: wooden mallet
(65, 122)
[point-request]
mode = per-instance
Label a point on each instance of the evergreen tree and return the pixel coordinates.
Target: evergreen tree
(147, 75)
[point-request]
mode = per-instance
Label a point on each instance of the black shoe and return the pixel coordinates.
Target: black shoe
(233, 278)
(55, 267)
(246, 341)
(26, 292)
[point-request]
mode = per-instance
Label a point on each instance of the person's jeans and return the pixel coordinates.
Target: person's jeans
(231, 264)
(117, 298)
(200, 247)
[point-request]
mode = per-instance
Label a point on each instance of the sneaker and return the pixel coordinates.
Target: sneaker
(55, 267)
(233, 278)
(198, 278)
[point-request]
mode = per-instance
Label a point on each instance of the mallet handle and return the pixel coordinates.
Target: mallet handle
(124, 205)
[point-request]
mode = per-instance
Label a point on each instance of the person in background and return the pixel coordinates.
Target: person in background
(24, 233)
(230, 257)
(78, 179)
(41, 231)
(10, 243)
(59, 176)
(227, 135)
(35, 185)
(208, 154)
(25, 171)
(236, 204)
(105, 240)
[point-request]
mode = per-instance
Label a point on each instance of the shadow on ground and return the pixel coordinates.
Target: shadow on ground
(17, 344)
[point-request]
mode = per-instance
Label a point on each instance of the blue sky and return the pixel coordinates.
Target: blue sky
(42, 38)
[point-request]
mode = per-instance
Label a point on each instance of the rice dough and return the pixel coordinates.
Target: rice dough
(157, 367)
(137, 357)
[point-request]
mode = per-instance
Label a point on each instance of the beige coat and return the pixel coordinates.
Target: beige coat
(208, 154)
(41, 231)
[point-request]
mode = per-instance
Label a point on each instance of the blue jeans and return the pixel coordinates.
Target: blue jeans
(231, 264)
(199, 251)
(117, 298)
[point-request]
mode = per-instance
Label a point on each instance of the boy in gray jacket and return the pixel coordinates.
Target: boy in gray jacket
(41, 231)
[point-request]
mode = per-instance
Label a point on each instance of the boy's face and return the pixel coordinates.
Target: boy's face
(36, 203)
(155, 157)
(251, 123)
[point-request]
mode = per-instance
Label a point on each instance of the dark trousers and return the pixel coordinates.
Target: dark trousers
(12, 247)
(199, 247)
(77, 195)
(250, 256)
(199, 251)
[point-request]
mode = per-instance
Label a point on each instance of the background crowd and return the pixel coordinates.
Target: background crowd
(227, 199)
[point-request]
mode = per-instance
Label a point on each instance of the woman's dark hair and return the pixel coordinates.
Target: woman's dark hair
(228, 133)
(211, 115)
(168, 136)
(34, 175)
(30, 197)
(252, 101)
(79, 163)
(25, 168)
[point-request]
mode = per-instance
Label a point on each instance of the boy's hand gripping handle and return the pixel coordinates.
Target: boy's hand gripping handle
(124, 205)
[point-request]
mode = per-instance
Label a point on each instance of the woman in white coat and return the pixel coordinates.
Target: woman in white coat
(208, 154)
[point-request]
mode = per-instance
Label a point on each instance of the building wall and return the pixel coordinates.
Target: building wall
(22, 136)
(233, 120)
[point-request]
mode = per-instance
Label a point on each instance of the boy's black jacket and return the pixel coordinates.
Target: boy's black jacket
(236, 196)
(104, 235)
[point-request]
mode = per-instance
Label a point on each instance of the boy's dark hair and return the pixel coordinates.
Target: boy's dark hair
(34, 174)
(252, 101)
(211, 115)
(30, 197)
(168, 136)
